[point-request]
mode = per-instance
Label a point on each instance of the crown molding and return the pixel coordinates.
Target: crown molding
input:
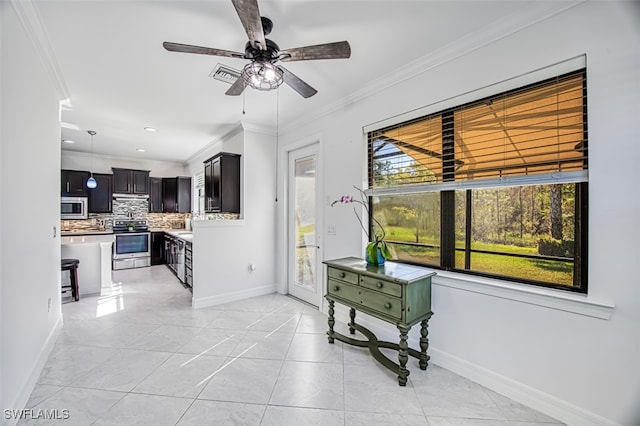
(255, 128)
(69, 152)
(30, 19)
(497, 30)
(209, 147)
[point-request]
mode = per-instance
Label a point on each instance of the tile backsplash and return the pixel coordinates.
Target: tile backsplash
(137, 209)
(130, 209)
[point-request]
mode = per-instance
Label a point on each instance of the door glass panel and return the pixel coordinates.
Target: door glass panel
(305, 222)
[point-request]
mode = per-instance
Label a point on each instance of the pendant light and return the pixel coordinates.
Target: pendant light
(91, 182)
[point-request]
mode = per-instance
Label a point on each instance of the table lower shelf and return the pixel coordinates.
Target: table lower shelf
(374, 345)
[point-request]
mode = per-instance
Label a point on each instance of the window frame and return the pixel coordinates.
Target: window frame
(447, 196)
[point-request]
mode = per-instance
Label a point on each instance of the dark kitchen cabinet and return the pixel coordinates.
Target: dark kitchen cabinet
(73, 183)
(128, 181)
(155, 195)
(222, 183)
(101, 197)
(157, 248)
(176, 195)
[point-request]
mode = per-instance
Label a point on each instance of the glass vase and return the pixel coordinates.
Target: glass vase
(375, 262)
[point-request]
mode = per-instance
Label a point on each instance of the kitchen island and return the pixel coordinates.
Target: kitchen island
(93, 250)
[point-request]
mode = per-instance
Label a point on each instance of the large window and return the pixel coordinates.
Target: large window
(496, 187)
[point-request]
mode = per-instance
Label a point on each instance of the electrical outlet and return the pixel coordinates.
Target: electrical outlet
(331, 230)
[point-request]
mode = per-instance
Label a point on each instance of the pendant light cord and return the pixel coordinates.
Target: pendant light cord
(92, 133)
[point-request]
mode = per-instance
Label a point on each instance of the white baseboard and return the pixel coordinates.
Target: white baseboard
(205, 302)
(524, 394)
(27, 388)
(531, 397)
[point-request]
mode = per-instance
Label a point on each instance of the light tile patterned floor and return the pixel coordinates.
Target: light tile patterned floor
(138, 354)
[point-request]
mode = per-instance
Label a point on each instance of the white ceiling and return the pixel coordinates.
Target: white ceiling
(109, 59)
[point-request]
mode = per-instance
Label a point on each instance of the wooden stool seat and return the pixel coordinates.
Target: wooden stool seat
(71, 265)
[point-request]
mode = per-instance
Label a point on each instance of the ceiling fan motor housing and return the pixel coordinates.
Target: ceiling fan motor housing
(268, 55)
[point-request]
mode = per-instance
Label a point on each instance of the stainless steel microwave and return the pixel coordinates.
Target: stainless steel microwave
(73, 208)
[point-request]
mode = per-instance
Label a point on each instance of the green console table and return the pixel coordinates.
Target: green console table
(393, 292)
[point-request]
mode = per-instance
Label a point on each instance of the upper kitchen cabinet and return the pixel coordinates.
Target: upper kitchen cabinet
(176, 195)
(155, 195)
(222, 183)
(73, 183)
(101, 197)
(128, 181)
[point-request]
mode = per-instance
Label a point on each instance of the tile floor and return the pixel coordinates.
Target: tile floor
(138, 354)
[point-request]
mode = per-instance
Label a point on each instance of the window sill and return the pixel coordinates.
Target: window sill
(553, 299)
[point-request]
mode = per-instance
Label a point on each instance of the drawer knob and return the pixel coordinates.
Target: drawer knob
(387, 305)
(336, 288)
(342, 275)
(379, 284)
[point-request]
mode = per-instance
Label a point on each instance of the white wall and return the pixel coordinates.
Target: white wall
(223, 251)
(29, 184)
(578, 368)
(102, 164)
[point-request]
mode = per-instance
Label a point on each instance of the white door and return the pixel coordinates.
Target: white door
(304, 281)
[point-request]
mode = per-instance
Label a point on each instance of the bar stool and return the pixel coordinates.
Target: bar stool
(71, 265)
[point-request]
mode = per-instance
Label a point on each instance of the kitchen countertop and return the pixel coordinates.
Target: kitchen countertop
(85, 232)
(87, 238)
(180, 233)
(84, 235)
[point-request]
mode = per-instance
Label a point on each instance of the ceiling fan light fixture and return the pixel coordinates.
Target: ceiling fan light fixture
(262, 75)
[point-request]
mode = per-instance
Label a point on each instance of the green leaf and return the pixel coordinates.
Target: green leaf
(385, 250)
(372, 251)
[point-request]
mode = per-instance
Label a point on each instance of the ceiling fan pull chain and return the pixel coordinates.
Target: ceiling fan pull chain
(243, 102)
(277, 136)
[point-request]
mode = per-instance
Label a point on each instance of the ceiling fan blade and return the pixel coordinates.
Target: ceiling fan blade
(187, 48)
(297, 84)
(237, 87)
(250, 17)
(337, 50)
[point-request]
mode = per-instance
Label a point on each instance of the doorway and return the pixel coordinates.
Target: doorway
(303, 275)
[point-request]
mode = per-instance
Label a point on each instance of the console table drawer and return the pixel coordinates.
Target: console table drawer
(339, 274)
(343, 290)
(368, 299)
(382, 286)
(386, 305)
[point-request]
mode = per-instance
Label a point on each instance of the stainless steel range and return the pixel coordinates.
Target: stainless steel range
(132, 246)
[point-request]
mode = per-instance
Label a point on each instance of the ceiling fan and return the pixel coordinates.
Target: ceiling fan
(262, 73)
